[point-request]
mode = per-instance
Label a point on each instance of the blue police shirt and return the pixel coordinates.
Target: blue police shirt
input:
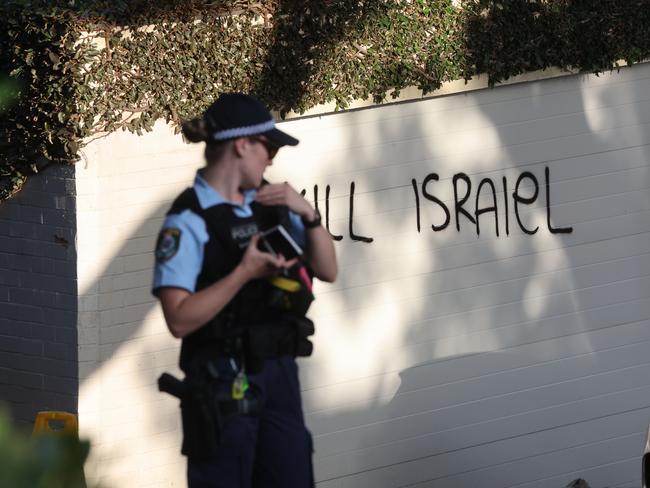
(179, 251)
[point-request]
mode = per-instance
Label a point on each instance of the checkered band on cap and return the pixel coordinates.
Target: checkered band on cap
(248, 130)
(235, 115)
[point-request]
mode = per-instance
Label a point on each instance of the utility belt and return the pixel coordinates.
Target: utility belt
(258, 342)
(204, 410)
(204, 406)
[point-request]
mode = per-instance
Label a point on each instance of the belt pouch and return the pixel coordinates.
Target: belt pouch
(201, 426)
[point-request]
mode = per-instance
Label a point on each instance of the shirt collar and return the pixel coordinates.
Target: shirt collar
(209, 197)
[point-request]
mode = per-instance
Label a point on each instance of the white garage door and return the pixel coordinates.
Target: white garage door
(491, 323)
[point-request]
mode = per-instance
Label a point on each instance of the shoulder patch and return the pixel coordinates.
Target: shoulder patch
(168, 243)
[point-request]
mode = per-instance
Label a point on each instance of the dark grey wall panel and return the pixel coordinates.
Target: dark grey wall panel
(38, 297)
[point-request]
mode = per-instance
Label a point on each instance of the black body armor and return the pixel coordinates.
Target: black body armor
(259, 322)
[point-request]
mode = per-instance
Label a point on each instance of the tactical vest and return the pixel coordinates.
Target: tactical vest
(229, 236)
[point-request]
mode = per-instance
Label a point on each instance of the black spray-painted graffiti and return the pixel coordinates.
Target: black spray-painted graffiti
(463, 207)
(351, 233)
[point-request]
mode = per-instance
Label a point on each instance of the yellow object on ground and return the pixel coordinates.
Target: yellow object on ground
(58, 423)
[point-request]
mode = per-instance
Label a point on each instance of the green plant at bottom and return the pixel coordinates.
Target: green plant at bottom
(42, 461)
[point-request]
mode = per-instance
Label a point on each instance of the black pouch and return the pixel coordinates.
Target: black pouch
(292, 293)
(304, 329)
(201, 422)
(289, 337)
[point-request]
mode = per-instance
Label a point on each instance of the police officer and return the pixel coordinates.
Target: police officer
(214, 284)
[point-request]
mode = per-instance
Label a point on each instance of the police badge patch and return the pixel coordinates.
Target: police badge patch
(167, 244)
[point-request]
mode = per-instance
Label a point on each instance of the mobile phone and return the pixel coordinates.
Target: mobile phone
(277, 240)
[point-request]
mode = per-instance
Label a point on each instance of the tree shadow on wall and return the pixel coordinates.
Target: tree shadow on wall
(528, 313)
(558, 302)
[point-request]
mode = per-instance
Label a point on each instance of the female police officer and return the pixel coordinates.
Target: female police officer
(210, 276)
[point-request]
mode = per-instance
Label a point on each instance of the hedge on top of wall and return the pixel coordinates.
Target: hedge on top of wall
(73, 70)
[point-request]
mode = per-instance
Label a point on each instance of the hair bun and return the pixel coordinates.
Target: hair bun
(195, 130)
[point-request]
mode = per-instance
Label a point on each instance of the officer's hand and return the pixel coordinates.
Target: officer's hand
(258, 264)
(284, 194)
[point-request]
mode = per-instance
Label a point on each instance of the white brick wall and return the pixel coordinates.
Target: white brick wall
(38, 304)
(448, 359)
(123, 192)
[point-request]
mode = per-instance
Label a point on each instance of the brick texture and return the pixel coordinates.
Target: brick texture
(38, 305)
(124, 344)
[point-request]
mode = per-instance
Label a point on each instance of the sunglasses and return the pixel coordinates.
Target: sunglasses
(271, 148)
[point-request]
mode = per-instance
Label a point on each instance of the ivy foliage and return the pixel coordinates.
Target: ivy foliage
(73, 70)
